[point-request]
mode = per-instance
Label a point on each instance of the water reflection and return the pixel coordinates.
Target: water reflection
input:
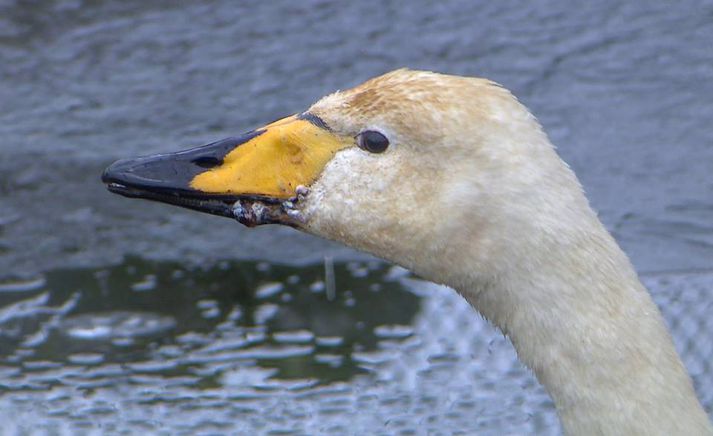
(167, 320)
(253, 348)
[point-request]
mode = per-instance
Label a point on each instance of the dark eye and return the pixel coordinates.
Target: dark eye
(372, 141)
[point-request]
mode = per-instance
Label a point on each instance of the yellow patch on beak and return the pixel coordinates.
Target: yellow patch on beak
(289, 152)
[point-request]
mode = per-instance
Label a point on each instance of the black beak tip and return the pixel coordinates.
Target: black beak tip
(109, 174)
(121, 172)
(158, 172)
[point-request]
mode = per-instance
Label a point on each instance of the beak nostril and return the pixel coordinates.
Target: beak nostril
(206, 161)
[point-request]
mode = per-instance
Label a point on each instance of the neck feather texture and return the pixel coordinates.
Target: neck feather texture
(582, 321)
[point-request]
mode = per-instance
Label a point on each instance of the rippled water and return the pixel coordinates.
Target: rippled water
(246, 347)
(122, 316)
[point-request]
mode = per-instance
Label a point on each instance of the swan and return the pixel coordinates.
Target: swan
(453, 178)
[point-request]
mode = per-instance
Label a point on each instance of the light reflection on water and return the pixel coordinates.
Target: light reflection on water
(141, 312)
(245, 346)
(255, 347)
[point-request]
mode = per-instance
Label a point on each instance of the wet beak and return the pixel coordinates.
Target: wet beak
(249, 177)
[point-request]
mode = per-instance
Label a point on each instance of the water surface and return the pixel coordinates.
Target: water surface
(252, 347)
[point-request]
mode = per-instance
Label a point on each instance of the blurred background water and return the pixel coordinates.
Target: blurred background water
(120, 316)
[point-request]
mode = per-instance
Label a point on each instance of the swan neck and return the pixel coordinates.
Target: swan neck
(582, 321)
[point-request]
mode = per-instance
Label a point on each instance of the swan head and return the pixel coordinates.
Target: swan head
(454, 179)
(406, 166)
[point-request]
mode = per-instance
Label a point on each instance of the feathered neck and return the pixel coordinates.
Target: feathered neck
(578, 316)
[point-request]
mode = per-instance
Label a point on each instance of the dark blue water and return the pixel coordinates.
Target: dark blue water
(213, 327)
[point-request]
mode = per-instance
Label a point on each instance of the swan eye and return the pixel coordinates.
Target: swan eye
(372, 141)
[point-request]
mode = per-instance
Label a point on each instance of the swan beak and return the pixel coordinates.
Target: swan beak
(261, 169)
